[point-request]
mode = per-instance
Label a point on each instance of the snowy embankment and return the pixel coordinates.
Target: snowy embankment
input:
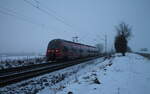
(54, 81)
(126, 75)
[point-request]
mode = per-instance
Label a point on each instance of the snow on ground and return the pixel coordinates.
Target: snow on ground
(17, 61)
(54, 81)
(126, 75)
(4, 58)
(117, 75)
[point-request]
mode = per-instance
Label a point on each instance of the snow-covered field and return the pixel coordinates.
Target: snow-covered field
(17, 61)
(117, 75)
(126, 75)
(4, 58)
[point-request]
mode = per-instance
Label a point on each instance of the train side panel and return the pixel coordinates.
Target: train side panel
(62, 50)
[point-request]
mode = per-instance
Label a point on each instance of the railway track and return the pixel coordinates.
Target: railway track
(147, 55)
(13, 75)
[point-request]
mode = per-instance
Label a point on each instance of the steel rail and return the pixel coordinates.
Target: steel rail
(13, 75)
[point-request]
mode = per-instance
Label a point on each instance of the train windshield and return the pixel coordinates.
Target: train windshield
(54, 45)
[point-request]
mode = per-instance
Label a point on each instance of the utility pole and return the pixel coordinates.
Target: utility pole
(105, 43)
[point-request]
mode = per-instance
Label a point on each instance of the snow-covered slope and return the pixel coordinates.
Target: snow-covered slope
(126, 75)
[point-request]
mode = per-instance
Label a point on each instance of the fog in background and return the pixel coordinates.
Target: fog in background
(26, 26)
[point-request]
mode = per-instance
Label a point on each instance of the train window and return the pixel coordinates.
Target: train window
(77, 50)
(74, 50)
(65, 49)
(86, 50)
(54, 44)
(81, 50)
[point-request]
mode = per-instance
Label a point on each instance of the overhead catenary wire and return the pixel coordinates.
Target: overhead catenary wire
(48, 9)
(20, 16)
(50, 12)
(16, 15)
(47, 12)
(40, 7)
(36, 2)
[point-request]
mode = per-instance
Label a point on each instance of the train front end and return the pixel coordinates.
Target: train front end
(54, 51)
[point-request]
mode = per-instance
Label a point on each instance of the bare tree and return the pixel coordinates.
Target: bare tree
(124, 29)
(122, 37)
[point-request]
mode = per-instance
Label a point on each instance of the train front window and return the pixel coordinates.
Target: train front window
(54, 45)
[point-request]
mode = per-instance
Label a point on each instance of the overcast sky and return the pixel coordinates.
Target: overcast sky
(28, 25)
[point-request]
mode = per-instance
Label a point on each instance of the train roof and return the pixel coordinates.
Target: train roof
(62, 40)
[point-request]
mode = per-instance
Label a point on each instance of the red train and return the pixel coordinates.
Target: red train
(59, 49)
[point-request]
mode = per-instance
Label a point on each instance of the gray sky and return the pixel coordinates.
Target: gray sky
(24, 28)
